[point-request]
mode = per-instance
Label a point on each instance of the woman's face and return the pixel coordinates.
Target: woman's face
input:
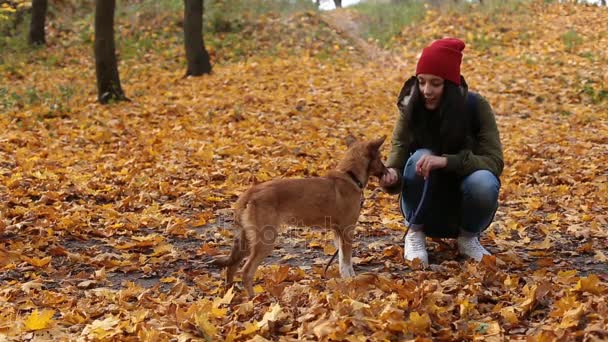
(431, 88)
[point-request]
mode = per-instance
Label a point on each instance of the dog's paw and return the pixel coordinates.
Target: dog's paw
(347, 272)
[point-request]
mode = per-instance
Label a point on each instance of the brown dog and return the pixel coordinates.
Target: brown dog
(333, 201)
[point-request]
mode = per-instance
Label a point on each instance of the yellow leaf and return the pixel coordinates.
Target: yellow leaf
(231, 336)
(419, 324)
(329, 249)
(202, 322)
(529, 301)
(168, 280)
(218, 313)
(245, 308)
(39, 321)
(278, 274)
(162, 249)
(204, 154)
(258, 289)
(214, 199)
(589, 284)
(546, 244)
(465, 308)
(250, 328)
(509, 315)
(358, 305)
(37, 261)
(511, 282)
(139, 316)
(102, 328)
(313, 244)
(271, 315)
(567, 274)
(226, 299)
(74, 317)
(572, 317)
(564, 304)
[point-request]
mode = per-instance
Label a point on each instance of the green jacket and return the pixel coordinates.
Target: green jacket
(484, 154)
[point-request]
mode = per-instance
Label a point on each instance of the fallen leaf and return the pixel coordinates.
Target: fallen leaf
(39, 320)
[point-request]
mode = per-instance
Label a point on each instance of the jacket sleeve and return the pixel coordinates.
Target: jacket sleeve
(486, 153)
(399, 149)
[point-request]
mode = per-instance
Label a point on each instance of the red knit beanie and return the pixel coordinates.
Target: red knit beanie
(442, 58)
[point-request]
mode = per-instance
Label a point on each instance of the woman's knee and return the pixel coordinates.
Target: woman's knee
(415, 157)
(409, 172)
(481, 189)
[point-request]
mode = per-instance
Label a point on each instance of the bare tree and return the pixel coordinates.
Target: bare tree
(338, 3)
(36, 35)
(196, 54)
(106, 68)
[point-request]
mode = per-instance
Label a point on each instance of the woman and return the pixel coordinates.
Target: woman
(446, 137)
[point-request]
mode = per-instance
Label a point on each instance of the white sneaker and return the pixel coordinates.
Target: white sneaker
(470, 246)
(415, 246)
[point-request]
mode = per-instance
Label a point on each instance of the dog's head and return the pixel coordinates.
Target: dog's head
(369, 153)
(376, 167)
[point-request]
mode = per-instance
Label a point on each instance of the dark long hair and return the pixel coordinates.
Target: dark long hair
(446, 130)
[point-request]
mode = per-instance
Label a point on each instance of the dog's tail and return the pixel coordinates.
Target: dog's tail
(240, 246)
(238, 252)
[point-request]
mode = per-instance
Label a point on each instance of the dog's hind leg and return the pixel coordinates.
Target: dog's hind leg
(261, 240)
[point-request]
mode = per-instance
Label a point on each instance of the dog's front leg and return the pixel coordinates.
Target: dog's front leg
(345, 251)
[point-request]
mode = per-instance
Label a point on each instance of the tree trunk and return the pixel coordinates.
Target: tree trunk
(106, 68)
(196, 54)
(36, 36)
(338, 3)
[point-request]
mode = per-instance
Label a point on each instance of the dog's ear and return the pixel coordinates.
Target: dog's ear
(350, 140)
(376, 143)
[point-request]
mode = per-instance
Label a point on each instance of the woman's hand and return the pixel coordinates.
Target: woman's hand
(428, 163)
(389, 178)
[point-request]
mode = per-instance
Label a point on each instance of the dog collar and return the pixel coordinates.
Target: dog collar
(355, 179)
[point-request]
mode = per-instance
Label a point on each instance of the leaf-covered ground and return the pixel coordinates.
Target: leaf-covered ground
(110, 213)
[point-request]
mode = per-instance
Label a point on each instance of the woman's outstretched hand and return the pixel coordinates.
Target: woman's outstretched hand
(428, 163)
(389, 178)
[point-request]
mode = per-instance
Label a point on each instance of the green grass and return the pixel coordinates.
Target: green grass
(135, 19)
(594, 92)
(571, 40)
(482, 42)
(489, 7)
(383, 21)
(58, 100)
(13, 38)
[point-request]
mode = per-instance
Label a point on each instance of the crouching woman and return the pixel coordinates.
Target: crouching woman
(446, 156)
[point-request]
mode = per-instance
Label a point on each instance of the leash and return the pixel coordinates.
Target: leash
(417, 211)
(425, 189)
(329, 263)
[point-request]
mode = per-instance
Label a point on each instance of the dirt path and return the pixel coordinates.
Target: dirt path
(346, 24)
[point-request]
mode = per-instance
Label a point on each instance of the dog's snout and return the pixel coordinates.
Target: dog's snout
(378, 168)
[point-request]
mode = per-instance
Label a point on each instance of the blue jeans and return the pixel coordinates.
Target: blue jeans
(451, 202)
